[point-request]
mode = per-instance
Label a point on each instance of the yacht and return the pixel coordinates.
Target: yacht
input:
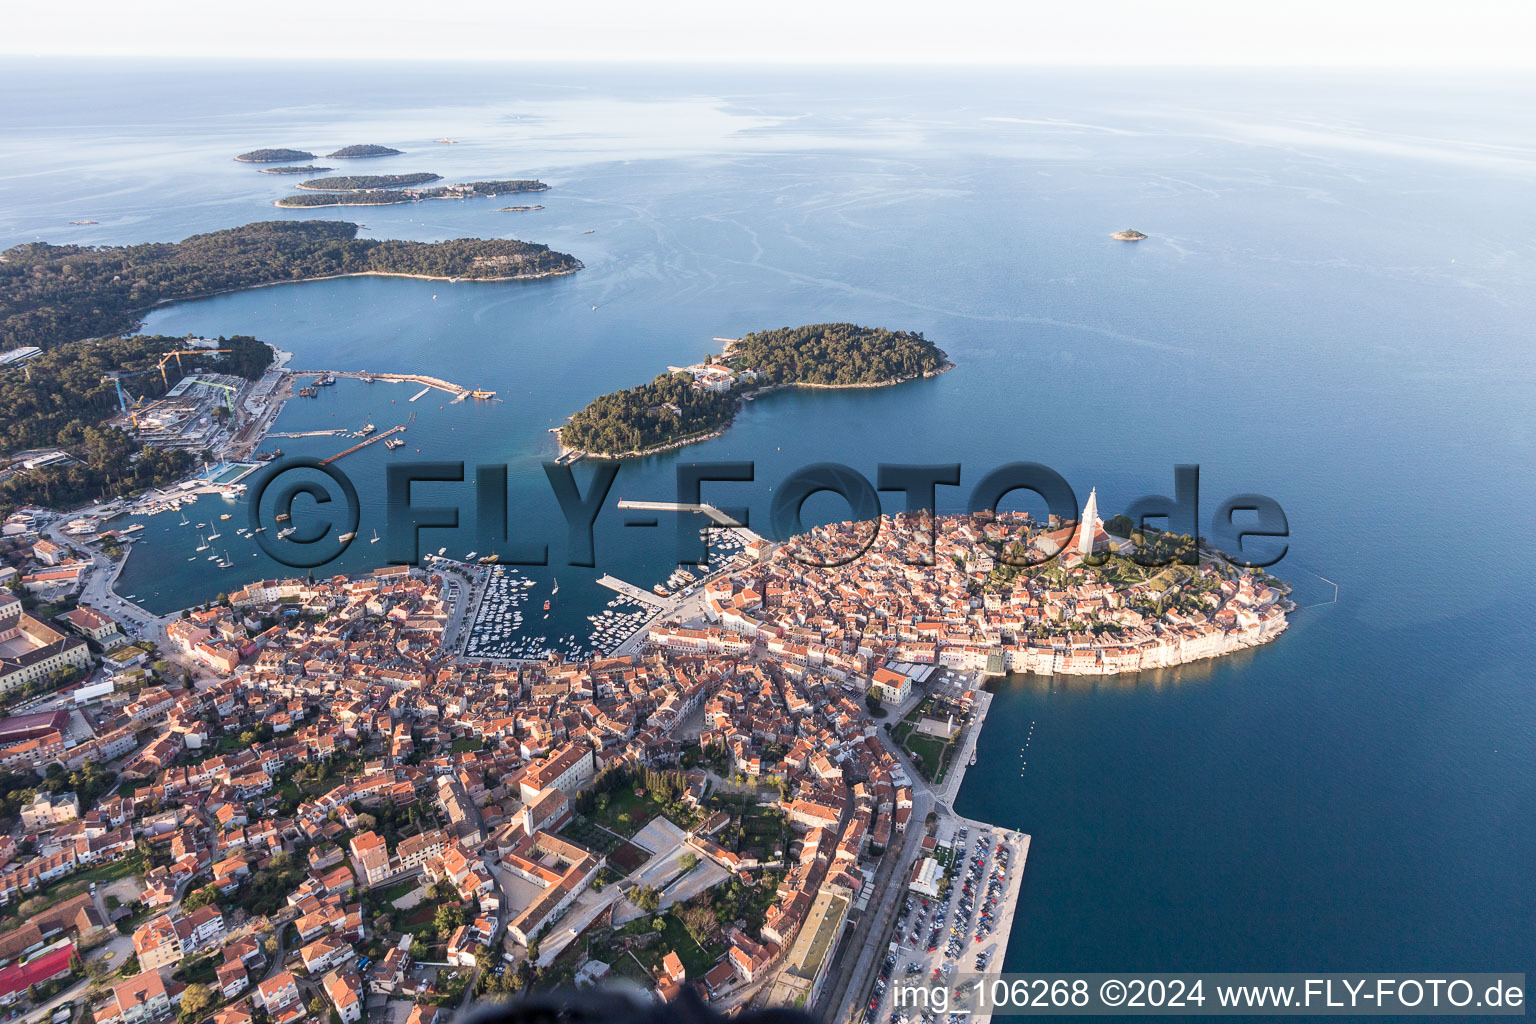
(346, 537)
(376, 537)
(202, 543)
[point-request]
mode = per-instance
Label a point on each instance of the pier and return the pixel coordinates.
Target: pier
(632, 592)
(362, 444)
(419, 394)
(720, 518)
(428, 383)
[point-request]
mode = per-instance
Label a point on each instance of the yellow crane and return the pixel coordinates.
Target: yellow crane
(178, 353)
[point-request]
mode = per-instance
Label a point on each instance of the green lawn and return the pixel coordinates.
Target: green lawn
(398, 890)
(623, 802)
(675, 938)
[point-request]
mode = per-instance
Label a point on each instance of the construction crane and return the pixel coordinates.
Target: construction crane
(178, 353)
(229, 392)
(132, 412)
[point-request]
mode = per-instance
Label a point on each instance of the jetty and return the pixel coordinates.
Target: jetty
(720, 518)
(363, 444)
(632, 592)
(458, 392)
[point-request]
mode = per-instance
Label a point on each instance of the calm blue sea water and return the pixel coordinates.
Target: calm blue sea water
(1333, 308)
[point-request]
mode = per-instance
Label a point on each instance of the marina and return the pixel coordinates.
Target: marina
(501, 630)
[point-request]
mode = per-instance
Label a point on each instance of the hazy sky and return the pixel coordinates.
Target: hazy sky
(1337, 33)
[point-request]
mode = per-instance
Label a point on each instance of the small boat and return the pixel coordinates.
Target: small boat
(184, 520)
(290, 531)
(376, 537)
(490, 559)
(225, 562)
(368, 428)
(556, 588)
(283, 517)
(224, 516)
(202, 543)
(346, 536)
(215, 535)
(660, 590)
(441, 552)
(259, 529)
(393, 442)
(546, 606)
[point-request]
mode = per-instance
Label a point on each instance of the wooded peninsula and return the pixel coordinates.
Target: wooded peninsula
(696, 402)
(51, 294)
(57, 399)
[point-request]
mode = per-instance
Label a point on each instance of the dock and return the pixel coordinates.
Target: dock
(632, 592)
(363, 444)
(720, 518)
(458, 392)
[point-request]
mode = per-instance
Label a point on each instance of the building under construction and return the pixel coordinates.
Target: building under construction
(195, 414)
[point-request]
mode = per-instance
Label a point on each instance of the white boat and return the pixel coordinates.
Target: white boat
(376, 537)
(203, 543)
(290, 531)
(215, 535)
(469, 557)
(346, 537)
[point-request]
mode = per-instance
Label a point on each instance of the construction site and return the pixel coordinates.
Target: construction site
(196, 414)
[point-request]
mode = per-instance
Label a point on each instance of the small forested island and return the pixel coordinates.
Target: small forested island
(273, 156)
(394, 196)
(693, 403)
(519, 209)
(1128, 235)
(360, 152)
(356, 182)
(59, 397)
(52, 294)
(296, 169)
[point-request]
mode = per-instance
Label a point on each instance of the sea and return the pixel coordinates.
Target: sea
(1333, 309)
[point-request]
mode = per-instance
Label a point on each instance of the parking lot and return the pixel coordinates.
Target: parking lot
(957, 932)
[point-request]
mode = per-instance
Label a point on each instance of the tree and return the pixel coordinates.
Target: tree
(646, 898)
(317, 1006)
(195, 1000)
(208, 894)
(688, 861)
(448, 917)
